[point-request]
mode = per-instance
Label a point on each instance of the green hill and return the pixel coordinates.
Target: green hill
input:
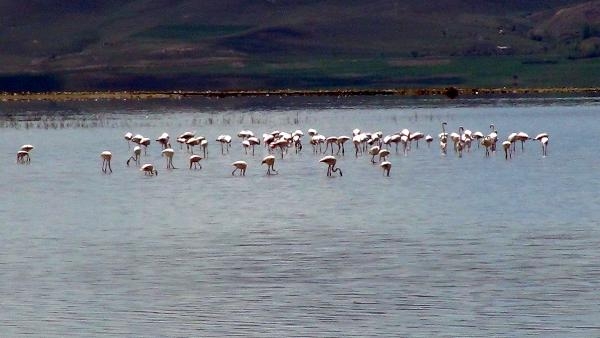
(279, 44)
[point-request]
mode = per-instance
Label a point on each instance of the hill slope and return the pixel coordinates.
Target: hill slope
(253, 44)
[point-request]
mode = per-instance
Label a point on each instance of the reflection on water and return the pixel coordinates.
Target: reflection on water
(445, 246)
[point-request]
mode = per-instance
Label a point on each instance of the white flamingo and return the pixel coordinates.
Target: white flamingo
(443, 136)
(168, 153)
(195, 161)
(506, 146)
(225, 141)
(23, 154)
(330, 161)
(428, 139)
(106, 157)
(386, 166)
(137, 151)
(128, 136)
(149, 169)
(241, 166)
(23, 157)
(270, 162)
(163, 139)
(374, 151)
(543, 138)
(383, 154)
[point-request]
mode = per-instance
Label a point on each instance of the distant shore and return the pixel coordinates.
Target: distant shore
(451, 92)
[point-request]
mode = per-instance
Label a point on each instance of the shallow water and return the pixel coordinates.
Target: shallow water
(469, 246)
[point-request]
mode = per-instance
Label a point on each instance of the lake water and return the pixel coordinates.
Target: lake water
(445, 246)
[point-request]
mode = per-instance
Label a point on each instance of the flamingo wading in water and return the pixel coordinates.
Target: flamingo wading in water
(270, 162)
(241, 166)
(195, 161)
(386, 166)
(331, 161)
(149, 169)
(168, 153)
(106, 157)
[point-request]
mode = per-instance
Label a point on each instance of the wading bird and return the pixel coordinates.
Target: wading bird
(137, 151)
(330, 161)
(241, 166)
(148, 169)
(386, 166)
(23, 154)
(168, 153)
(543, 138)
(106, 157)
(23, 157)
(195, 161)
(270, 162)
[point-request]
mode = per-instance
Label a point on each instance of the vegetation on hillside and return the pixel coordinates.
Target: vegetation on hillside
(280, 44)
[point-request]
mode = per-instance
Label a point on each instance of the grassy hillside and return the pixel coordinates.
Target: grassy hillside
(270, 44)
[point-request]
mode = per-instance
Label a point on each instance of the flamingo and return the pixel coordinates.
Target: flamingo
(386, 166)
(543, 138)
(225, 141)
(168, 153)
(23, 157)
(374, 151)
(193, 141)
(487, 143)
(477, 136)
(137, 151)
(405, 144)
(137, 138)
(268, 139)
(23, 153)
(340, 142)
(330, 161)
(317, 142)
(428, 139)
(494, 136)
(443, 136)
(383, 154)
(282, 144)
(396, 138)
(507, 152)
(148, 169)
(204, 145)
(128, 136)
(253, 141)
(357, 140)
(244, 134)
(416, 136)
(246, 145)
(241, 166)
(182, 139)
(27, 147)
(522, 136)
(512, 138)
(163, 139)
(145, 142)
(270, 162)
(331, 140)
(297, 139)
(195, 161)
(106, 157)
(459, 144)
(467, 138)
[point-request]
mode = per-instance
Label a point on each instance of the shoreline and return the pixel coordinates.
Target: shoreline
(451, 92)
